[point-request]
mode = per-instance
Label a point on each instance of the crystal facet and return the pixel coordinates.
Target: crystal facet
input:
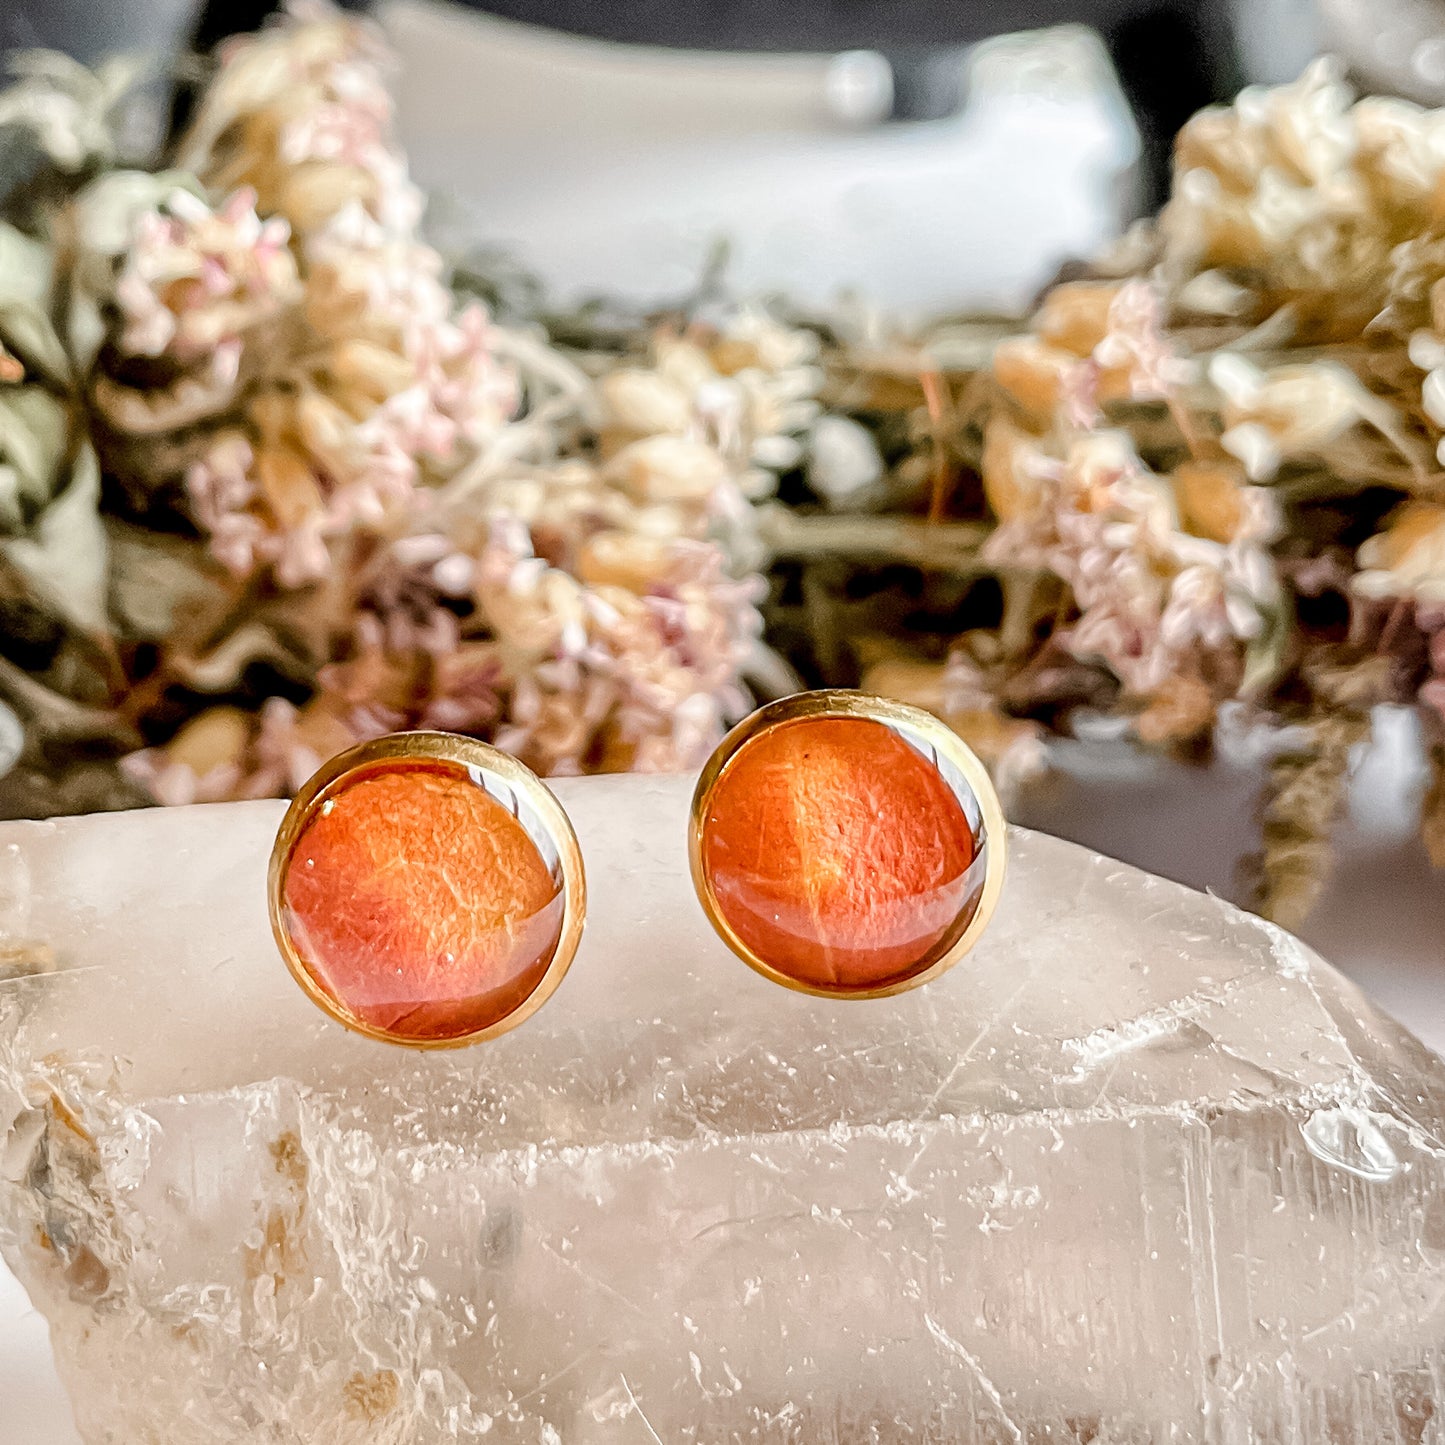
(1139, 1168)
(419, 903)
(837, 852)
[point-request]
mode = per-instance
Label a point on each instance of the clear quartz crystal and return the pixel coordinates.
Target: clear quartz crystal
(1140, 1168)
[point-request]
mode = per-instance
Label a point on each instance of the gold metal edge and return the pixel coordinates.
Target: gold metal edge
(445, 748)
(835, 703)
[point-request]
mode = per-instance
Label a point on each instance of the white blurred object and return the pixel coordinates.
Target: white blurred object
(859, 87)
(1396, 46)
(842, 458)
(616, 168)
(1276, 39)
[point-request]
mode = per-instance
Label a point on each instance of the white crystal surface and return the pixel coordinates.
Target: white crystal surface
(1140, 1168)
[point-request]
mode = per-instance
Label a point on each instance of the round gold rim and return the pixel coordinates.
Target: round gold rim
(439, 748)
(837, 703)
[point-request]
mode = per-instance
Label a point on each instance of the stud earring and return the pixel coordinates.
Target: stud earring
(846, 845)
(427, 890)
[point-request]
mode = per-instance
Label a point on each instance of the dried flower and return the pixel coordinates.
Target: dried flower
(1289, 412)
(1149, 597)
(1303, 195)
(746, 387)
(1305, 797)
(196, 279)
(1407, 559)
(321, 340)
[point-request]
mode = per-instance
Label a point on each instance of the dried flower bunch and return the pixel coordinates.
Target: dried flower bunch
(1206, 481)
(271, 479)
(1215, 466)
(336, 500)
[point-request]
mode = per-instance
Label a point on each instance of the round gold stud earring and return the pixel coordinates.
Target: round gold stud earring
(846, 845)
(427, 890)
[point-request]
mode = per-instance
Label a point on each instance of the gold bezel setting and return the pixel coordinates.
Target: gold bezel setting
(917, 726)
(437, 748)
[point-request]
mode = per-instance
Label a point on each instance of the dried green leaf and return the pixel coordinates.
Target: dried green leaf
(27, 333)
(222, 668)
(26, 268)
(105, 213)
(83, 787)
(52, 719)
(1267, 653)
(27, 274)
(165, 587)
(65, 556)
(85, 328)
(34, 428)
(64, 108)
(12, 738)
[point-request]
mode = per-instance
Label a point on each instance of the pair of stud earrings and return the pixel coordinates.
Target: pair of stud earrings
(428, 890)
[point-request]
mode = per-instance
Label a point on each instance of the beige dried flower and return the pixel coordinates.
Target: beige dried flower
(1288, 412)
(1012, 471)
(1011, 748)
(1302, 194)
(1093, 343)
(301, 114)
(1034, 374)
(1214, 501)
(1074, 316)
(641, 402)
(1407, 559)
(746, 386)
(668, 469)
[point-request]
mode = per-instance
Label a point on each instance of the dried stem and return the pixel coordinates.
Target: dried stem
(1304, 797)
(942, 546)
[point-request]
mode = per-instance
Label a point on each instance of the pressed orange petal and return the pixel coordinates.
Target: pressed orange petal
(837, 853)
(419, 903)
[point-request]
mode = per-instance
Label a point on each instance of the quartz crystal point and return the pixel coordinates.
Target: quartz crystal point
(1140, 1168)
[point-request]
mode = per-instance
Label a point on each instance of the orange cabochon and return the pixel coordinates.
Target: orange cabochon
(419, 903)
(837, 853)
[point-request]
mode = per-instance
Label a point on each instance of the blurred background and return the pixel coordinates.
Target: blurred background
(914, 156)
(836, 146)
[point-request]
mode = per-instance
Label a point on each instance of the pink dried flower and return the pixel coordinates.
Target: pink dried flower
(1136, 343)
(280, 761)
(1149, 595)
(570, 610)
(221, 493)
(379, 385)
(674, 660)
(175, 784)
(298, 553)
(195, 279)
(1431, 621)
